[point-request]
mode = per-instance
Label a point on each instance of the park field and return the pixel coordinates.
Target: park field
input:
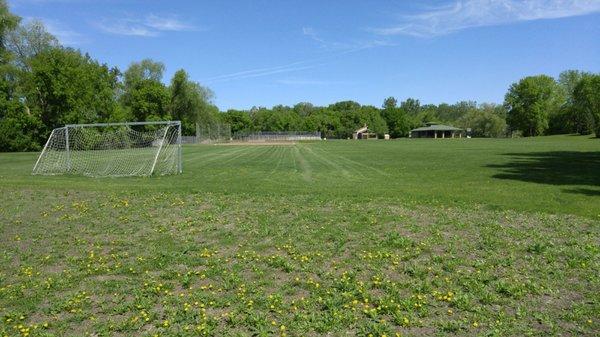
(491, 237)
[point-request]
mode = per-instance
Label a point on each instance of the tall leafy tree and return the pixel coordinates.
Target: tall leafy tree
(396, 119)
(19, 127)
(530, 102)
(146, 69)
(8, 22)
(411, 106)
(279, 118)
(20, 130)
(148, 100)
(426, 113)
(26, 41)
(144, 96)
(304, 109)
(484, 121)
(190, 103)
(353, 116)
(586, 99)
(566, 119)
(238, 120)
(324, 120)
(390, 103)
(65, 86)
(449, 113)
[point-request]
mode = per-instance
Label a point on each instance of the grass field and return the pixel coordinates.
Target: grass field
(410, 237)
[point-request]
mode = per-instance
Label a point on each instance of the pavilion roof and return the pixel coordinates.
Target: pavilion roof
(437, 127)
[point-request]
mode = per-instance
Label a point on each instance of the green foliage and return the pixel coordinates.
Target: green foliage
(568, 119)
(530, 102)
(44, 86)
(486, 121)
(390, 103)
(586, 101)
(146, 69)
(449, 113)
(279, 118)
(325, 121)
(148, 100)
(19, 129)
(397, 120)
(65, 87)
(239, 121)
(190, 103)
(304, 109)
(426, 113)
(28, 40)
(8, 22)
(411, 106)
(353, 116)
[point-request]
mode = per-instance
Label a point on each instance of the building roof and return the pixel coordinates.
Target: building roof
(436, 127)
(363, 129)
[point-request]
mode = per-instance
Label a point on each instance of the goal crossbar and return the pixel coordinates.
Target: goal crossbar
(125, 124)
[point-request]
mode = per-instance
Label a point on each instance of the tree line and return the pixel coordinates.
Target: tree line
(341, 119)
(533, 106)
(44, 85)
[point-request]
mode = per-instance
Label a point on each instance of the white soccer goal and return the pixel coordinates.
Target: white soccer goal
(113, 149)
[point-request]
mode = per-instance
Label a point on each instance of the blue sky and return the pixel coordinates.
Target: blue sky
(262, 53)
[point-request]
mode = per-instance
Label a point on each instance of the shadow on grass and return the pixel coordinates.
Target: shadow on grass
(554, 168)
(585, 191)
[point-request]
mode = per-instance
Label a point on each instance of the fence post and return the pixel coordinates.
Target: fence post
(180, 162)
(67, 149)
(197, 133)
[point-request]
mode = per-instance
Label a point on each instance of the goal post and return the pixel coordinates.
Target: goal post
(113, 150)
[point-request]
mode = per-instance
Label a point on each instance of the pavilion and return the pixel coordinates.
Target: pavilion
(435, 130)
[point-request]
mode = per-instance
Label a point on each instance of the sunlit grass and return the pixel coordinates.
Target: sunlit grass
(289, 255)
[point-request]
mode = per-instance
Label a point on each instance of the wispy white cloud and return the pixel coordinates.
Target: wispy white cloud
(125, 27)
(343, 46)
(333, 51)
(294, 81)
(168, 23)
(464, 14)
(312, 33)
(260, 72)
(148, 26)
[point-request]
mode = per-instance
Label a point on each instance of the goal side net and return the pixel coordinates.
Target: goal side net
(112, 150)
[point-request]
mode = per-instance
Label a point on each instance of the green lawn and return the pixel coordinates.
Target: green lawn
(409, 237)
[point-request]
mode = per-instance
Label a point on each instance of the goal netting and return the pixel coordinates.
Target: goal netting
(113, 149)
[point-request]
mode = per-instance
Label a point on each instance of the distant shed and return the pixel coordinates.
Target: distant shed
(435, 130)
(364, 133)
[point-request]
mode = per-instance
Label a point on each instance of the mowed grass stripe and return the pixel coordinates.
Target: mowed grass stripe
(549, 174)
